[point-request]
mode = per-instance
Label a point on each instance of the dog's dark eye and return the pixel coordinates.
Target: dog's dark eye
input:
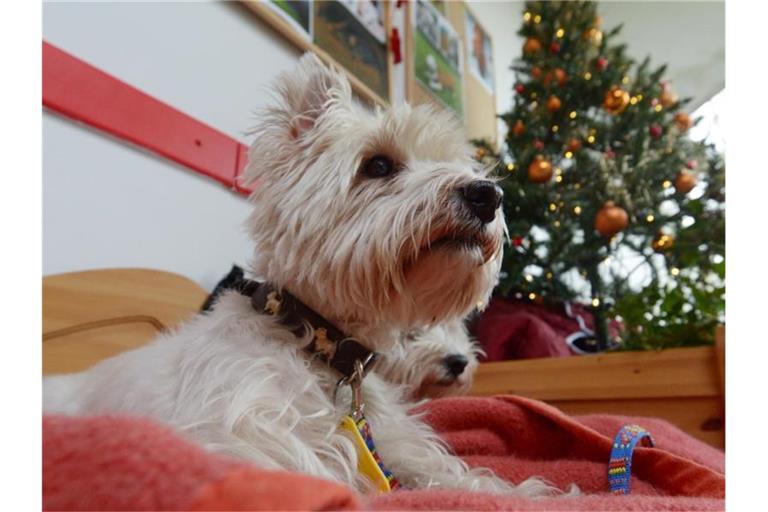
(378, 166)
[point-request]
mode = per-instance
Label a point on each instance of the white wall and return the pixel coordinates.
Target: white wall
(106, 204)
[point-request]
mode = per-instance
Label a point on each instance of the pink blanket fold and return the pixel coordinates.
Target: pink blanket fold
(519, 437)
(116, 463)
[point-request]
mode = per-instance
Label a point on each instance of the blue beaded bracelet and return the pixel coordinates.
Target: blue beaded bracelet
(620, 463)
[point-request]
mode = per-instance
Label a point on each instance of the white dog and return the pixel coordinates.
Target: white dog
(432, 363)
(377, 221)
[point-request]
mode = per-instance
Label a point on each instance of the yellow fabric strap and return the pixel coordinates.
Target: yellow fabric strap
(366, 464)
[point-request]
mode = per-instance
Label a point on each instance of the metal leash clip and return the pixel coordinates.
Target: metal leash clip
(355, 382)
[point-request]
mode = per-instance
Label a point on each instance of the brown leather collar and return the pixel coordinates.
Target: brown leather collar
(329, 344)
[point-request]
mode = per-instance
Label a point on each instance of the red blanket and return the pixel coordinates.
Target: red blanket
(127, 463)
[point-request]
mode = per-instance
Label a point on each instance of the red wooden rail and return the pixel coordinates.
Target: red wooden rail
(84, 93)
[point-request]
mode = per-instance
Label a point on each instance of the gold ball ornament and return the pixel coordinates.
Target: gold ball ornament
(540, 170)
(611, 219)
(684, 182)
(683, 121)
(593, 35)
(554, 104)
(480, 153)
(616, 100)
(531, 46)
(663, 242)
(518, 129)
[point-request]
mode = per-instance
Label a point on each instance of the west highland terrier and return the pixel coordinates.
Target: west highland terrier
(366, 224)
(432, 363)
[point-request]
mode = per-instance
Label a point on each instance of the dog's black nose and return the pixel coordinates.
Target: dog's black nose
(455, 363)
(482, 197)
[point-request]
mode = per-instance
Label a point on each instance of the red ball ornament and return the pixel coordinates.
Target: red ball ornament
(655, 130)
(601, 63)
(517, 241)
(691, 164)
(554, 47)
(519, 88)
(538, 144)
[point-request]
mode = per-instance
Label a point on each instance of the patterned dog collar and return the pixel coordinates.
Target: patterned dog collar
(620, 463)
(330, 345)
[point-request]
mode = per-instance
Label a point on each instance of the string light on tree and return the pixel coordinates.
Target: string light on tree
(663, 242)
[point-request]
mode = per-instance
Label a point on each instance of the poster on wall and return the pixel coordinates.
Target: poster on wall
(440, 6)
(354, 34)
(479, 52)
(298, 13)
(436, 56)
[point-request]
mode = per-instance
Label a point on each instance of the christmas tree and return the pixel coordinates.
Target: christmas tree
(606, 198)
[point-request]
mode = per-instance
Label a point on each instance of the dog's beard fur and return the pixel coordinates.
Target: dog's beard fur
(417, 361)
(373, 255)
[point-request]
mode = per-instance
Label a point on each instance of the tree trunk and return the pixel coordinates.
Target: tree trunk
(598, 312)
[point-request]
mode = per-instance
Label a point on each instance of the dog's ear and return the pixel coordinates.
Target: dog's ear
(311, 90)
(306, 97)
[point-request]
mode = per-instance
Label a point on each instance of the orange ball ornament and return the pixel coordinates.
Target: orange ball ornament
(558, 75)
(554, 104)
(616, 100)
(531, 46)
(540, 170)
(611, 219)
(683, 121)
(668, 98)
(536, 72)
(518, 129)
(684, 182)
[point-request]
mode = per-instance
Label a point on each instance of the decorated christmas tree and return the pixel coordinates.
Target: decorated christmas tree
(607, 199)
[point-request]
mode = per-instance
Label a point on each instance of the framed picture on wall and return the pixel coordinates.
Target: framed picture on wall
(437, 65)
(479, 51)
(349, 33)
(353, 32)
(297, 13)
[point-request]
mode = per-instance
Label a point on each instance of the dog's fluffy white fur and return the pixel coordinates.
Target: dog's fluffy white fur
(374, 256)
(421, 361)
